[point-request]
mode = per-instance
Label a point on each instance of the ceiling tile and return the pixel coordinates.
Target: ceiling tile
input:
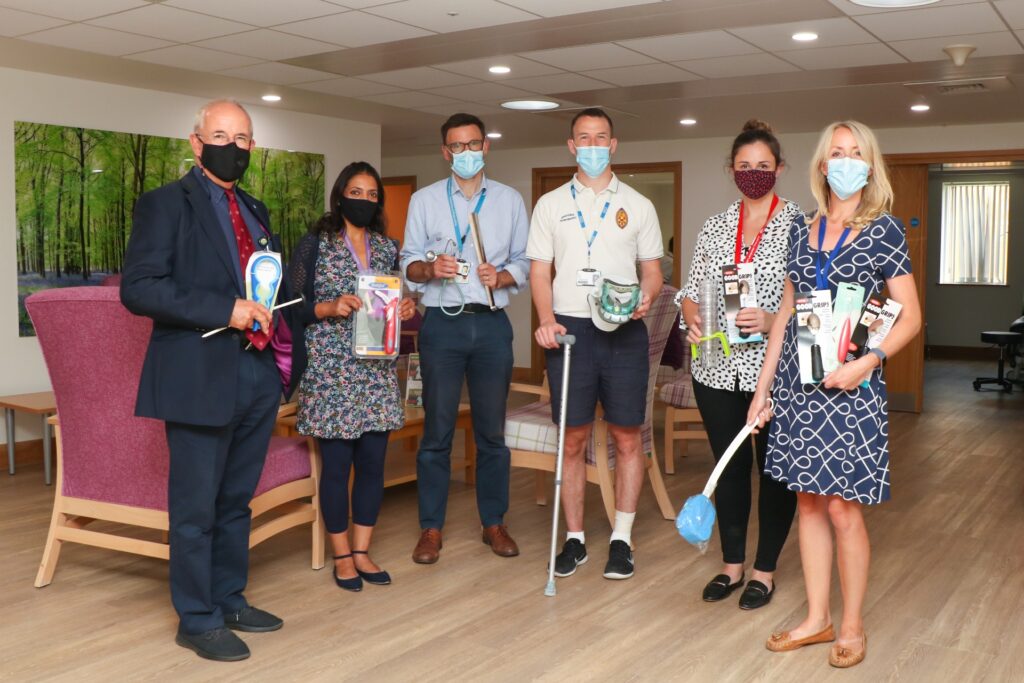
(483, 93)
(73, 10)
(645, 74)
(468, 107)
(193, 57)
(588, 57)
(418, 78)
(699, 45)
(15, 23)
(1012, 11)
(478, 68)
(354, 29)
(554, 8)
(95, 39)
(930, 49)
(933, 21)
(277, 73)
(435, 16)
(348, 87)
(408, 99)
(853, 9)
(268, 44)
(170, 23)
(558, 83)
(740, 65)
(831, 32)
(259, 13)
(841, 56)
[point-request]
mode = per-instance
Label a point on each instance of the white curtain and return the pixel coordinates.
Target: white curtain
(975, 229)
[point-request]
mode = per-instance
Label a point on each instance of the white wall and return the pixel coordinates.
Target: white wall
(42, 98)
(707, 188)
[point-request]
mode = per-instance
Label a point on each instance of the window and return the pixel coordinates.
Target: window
(975, 230)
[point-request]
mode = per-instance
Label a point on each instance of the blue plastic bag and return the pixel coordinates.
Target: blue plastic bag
(696, 521)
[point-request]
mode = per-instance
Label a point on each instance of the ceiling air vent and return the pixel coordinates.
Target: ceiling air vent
(963, 86)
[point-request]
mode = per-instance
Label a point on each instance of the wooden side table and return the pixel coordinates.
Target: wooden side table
(40, 403)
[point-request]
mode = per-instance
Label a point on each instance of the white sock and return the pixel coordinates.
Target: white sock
(578, 535)
(623, 526)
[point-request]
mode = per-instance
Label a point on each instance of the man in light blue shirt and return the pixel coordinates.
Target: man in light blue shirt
(463, 335)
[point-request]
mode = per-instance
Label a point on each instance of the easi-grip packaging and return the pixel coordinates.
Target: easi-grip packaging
(815, 348)
(845, 313)
(739, 291)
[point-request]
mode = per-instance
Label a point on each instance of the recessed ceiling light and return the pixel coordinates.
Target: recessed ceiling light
(494, 135)
(499, 69)
(805, 36)
(529, 105)
(919, 107)
(271, 98)
(892, 4)
(688, 122)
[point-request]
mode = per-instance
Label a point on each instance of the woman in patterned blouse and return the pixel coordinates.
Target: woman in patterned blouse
(753, 229)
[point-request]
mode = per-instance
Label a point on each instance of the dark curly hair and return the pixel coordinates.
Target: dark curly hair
(332, 222)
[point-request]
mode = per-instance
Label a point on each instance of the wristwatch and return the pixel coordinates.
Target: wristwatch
(881, 356)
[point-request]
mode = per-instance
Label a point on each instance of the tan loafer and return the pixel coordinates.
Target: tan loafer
(782, 641)
(843, 657)
(428, 549)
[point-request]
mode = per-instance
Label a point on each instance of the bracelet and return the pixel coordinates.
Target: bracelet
(880, 354)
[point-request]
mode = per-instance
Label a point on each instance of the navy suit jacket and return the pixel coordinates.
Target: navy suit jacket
(178, 271)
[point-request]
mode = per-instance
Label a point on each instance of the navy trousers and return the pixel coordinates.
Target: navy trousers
(476, 347)
(213, 474)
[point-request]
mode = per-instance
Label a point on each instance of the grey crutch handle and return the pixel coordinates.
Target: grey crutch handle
(567, 339)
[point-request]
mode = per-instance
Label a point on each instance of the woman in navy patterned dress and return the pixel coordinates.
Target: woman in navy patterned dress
(349, 404)
(829, 442)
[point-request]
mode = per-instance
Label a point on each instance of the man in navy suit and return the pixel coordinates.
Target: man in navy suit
(218, 396)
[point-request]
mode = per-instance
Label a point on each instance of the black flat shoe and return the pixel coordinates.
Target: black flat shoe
(219, 644)
(355, 584)
(756, 594)
(719, 588)
(381, 578)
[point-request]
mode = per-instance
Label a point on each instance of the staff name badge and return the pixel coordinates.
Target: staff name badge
(587, 277)
(263, 279)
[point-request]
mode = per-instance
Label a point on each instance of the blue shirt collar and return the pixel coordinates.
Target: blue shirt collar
(215, 191)
(457, 189)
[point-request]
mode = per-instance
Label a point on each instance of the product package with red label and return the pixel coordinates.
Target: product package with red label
(376, 329)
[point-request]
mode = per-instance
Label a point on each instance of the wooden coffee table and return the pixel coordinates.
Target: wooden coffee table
(39, 403)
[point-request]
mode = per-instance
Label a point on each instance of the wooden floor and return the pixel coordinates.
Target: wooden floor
(946, 600)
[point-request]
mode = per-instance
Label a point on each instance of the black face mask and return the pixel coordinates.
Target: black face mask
(358, 212)
(227, 162)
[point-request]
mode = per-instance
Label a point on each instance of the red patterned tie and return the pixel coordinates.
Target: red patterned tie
(245, 249)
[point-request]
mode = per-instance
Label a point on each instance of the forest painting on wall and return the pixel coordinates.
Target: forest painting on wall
(76, 188)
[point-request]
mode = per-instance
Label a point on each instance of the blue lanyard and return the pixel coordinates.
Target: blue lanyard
(352, 250)
(460, 237)
(821, 271)
(583, 223)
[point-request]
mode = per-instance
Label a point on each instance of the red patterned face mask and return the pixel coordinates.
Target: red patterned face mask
(754, 183)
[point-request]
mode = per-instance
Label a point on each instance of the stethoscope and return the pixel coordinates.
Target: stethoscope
(431, 256)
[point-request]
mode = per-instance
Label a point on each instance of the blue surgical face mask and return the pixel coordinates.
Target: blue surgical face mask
(847, 175)
(593, 160)
(467, 163)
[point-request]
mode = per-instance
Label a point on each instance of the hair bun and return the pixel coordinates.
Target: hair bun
(757, 124)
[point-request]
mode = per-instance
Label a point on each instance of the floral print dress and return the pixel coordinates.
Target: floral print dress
(341, 396)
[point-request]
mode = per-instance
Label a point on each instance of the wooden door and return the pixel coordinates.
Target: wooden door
(904, 374)
(397, 193)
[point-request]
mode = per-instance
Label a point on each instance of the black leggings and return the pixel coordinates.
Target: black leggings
(339, 456)
(724, 414)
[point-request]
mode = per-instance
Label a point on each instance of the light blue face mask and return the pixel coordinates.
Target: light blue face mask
(593, 160)
(467, 163)
(847, 175)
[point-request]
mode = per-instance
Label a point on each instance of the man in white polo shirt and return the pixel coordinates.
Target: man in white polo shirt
(594, 229)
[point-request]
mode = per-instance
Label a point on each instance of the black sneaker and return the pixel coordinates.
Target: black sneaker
(252, 620)
(219, 644)
(573, 555)
(620, 561)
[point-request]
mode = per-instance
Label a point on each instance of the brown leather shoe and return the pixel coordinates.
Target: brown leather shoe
(782, 641)
(429, 547)
(501, 543)
(843, 657)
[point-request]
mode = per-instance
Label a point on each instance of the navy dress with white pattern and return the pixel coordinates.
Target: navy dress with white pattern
(828, 441)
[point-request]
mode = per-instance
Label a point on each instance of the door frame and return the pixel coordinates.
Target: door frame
(539, 175)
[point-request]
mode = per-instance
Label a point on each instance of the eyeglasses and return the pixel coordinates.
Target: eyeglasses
(458, 147)
(220, 138)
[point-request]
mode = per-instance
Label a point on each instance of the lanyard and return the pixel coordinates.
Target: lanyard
(757, 240)
(352, 250)
(583, 223)
(821, 271)
(460, 237)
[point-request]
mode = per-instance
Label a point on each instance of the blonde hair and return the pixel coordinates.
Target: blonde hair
(875, 198)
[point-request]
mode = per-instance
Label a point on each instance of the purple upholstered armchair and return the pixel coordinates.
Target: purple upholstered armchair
(112, 465)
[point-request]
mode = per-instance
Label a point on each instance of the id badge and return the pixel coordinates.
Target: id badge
(587, 277)
(461, 272)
